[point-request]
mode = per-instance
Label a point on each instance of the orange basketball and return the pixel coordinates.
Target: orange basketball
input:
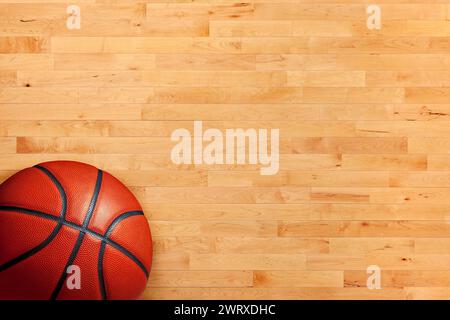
(71, 231)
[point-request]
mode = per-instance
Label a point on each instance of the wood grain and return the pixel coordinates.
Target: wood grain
(364, 119)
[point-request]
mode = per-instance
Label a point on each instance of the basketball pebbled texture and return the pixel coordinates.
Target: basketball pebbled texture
(62, 213)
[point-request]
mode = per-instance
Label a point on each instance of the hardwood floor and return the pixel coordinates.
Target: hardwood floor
(364, 119)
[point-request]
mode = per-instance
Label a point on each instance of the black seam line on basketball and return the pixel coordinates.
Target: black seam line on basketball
(119, 219)
(110, 229)
(101, 277)
(121, 248)
(116, 221)
(94, 199)
(77, 246)
(58, 185)
(81, 229)
(54, 232)
(31, 212)
(72, 257)
(88, 218)
(33, 251)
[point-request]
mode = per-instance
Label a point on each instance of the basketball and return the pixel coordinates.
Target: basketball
(71, 231)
